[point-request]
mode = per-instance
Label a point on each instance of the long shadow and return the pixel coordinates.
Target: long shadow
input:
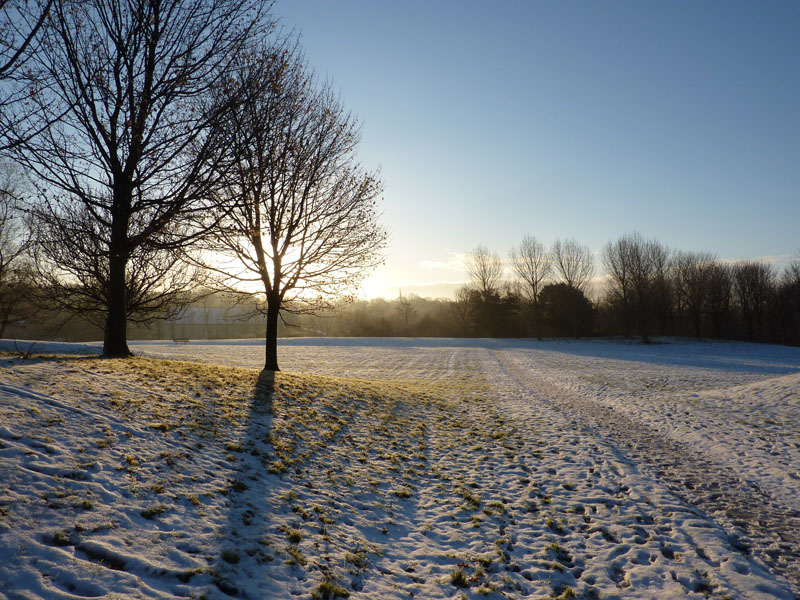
(249, 488)
(16, 359)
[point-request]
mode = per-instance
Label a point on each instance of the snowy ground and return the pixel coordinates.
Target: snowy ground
(402, 468)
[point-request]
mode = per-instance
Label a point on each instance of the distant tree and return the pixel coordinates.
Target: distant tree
(788, 304)
(618, 260)
(406, 310)
(459, 310)
(785, 306)
(566, 311)
(637, 270)
(487, 309)
(719, 297)
(485, 271)
(572, 263)
(754, 286)
(15, 306)
(531, 264)
(119, 139)
(648, 278)
(301, 217)
(690, 276)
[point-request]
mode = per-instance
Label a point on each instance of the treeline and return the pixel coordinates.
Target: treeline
(647, 290)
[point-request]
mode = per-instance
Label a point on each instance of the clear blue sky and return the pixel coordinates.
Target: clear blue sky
(492, 120)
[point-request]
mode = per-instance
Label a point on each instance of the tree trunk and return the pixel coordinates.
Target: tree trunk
(115, 342)
(273, 308)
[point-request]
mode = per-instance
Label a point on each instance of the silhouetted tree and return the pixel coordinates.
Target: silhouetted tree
(15, 281)
(566, 311)
(459, 311)
(21, 22)
(485, 271)
(487, 309)
(301, 216)
(532, 266)
(405, 307)
(73, 274)
(637, 271)
(753, 284)
(784, 308)
(572, 263)
(133, 147)
(719, 297)
(690, 277)
(618, 260)
(787, 304)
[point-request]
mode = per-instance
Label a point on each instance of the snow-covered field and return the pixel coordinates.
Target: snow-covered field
(391, 468)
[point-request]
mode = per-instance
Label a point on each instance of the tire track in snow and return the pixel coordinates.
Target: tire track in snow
(755, 521)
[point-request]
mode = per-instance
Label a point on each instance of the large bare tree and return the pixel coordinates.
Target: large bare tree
(133, 150)
(69, 264)
(301, 221)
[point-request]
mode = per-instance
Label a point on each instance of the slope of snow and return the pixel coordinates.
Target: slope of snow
(438, 468)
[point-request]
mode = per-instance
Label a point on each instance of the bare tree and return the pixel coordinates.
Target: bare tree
(754, 284)
(637, 277)
(532, 266)
(406, 310)
(719, 296)
(485, 270)
(14, 244)
(618, 260)
(302, 218)
(73, 274)
(786, 306)
(133, 150)
(20, 22)
(691, 271)
(572, 263)
(459, 310)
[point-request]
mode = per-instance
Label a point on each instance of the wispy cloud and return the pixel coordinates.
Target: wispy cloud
(454, 263)
(770, 260)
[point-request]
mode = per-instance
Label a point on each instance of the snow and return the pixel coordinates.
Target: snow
(400, 468)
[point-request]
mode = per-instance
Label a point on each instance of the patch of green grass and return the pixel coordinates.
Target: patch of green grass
(403, 492)
(459, 579)
(295, 556)
(294, 535)
(329, 589)
(153, 511)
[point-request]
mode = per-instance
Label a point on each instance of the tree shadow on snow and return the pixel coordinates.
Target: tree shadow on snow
(249, 489)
